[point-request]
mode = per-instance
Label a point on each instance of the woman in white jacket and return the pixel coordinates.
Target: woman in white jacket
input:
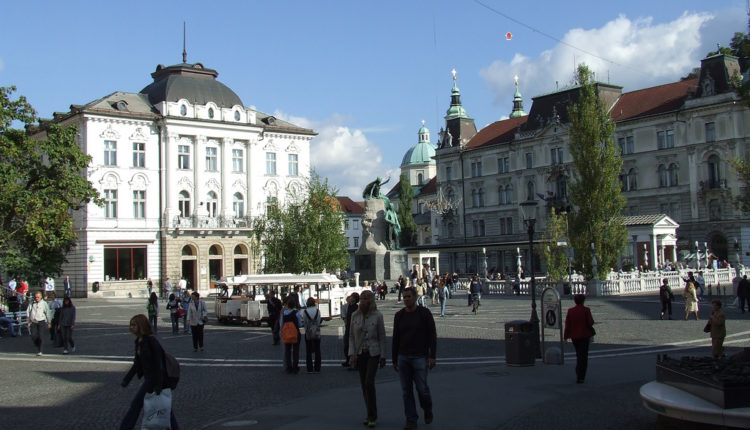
(197, 316)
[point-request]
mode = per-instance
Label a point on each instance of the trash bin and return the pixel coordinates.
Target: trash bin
(519, 343)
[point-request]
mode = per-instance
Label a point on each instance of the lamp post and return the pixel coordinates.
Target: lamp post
(529, 208)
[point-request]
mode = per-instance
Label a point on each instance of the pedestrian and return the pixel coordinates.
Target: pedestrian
(743, 292)
(400, 287)
(442, 294)
(665, 297)
(182, 285)
(367, 350)
(148, 363)
(21, 291)
(420, 291)
(475, 291)
(153, 311)
(579, 326)
(701, 284)
(197, 316)
(68, 287)
(9, 323)
(173, 305)
(67, 324)
(54, 306)
(167, 288)
(40, 320)
(149, 286)
(691, 300)
(413, 353)
(311, 317)
(383, 290)
(718, 329)
(273, 304)
(352, 305)
(290, 323)
(185, 301)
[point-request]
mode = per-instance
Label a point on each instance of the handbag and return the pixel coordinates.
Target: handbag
(157, 409)
(707, 328)
(181, 312)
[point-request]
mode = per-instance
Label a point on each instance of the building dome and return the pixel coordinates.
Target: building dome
(422, 152)
(192, 82)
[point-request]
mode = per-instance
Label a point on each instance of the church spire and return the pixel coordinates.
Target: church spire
(456, 110)
(517, 103)
(184, 51)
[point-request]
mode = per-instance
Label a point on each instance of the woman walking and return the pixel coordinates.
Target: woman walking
(173, 305)
(311, 316)
(367, 350)
(148, 364)
(691, 300)
(197, 316)
(665, 297)
(718, 329)
(290, 315)
(67, 323)
(579, 326)
(153, 311)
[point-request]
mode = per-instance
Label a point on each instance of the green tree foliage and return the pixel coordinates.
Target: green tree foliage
(306, 234)
(41, 185)
(555, 256)
(408, 227)
(595, 187)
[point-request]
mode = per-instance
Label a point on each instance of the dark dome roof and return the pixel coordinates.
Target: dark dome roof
(192, 82)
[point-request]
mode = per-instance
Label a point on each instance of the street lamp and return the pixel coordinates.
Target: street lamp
(528, 209)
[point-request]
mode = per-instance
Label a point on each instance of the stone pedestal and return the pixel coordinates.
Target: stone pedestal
(373, 260)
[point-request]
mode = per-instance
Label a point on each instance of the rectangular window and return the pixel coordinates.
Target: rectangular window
(710, 132)
(556, 155)
(356, 242)
(670, 138)
(139, 204)
(125, 263)
(346, 224)
(110, 153)
(506, 225)
(626, 144)
(476, 169)
(270, 163)
(139, 154)
(529, 160)
(503, 165)
(238, 160)
(665, 139)
(183, 157)
(448, 173)
(293, 164)
(110, 203)
(211, 165)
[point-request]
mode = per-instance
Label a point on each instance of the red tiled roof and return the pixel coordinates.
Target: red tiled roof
(652, 101)
(430, 187)
(497, 132)
(349, 206)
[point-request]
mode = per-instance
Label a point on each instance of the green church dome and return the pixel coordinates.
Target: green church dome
(422, 152)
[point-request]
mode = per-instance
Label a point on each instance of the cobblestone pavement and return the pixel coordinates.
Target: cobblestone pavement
(238, 381)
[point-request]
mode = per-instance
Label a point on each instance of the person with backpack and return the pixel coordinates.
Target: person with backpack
(153, 311)
(312, 319)
(290, 323)
(665, 297)
(367, 350)
(148, 364)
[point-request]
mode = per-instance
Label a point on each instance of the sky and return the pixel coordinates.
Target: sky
(362, 74)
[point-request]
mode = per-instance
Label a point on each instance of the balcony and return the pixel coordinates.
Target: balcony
(208, 223)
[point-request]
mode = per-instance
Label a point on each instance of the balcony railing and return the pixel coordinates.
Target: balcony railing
(208, 222)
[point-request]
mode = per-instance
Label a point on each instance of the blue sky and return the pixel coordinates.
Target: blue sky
(363, 74)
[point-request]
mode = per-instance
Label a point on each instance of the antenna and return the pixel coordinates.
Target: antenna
(184, 52)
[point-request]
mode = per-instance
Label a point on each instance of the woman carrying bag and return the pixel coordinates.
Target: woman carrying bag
(197, 316)
(148, 364)
(579, 326)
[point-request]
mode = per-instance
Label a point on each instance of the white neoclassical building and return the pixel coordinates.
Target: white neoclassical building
(183, 167)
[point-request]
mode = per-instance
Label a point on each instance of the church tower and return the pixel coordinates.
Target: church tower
(460, 127)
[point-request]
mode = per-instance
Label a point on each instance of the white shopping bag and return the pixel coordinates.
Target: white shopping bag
(156, 410)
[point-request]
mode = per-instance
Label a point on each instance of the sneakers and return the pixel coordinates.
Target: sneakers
(39, 354)
(428, 417)
(65, 351)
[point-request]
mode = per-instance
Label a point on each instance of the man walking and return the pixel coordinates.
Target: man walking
(40, 320)
(413, 353)
(743, 289)
(274, 312)
(167, 287)
(67, 286)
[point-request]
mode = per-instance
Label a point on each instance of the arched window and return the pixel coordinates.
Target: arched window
(214, 250)
(632, 180)
(561, 185)
(212, 202)
(187, 250)
(714, 176)
(184, 203)
(474, 198)
(420, 178)
(238, 205)
(530, 190)
(509, 194)
(501, 195)
(663, 176)
(673, 175)
(240, 250)
(481, 197)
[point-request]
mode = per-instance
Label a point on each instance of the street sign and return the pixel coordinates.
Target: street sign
(551, 317)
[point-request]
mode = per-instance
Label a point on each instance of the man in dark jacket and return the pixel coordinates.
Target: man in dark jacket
(743, 290)
(413, 353)
(274, 311)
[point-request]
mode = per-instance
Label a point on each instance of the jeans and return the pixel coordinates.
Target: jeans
(367, 365)
(582, 356)
(9, 323)
(184, 322)
(130, 418)
(175, 323)
(420, 301)
(67, 337)
(37, 333)
(412, 371)
(275, 329)
(442, 306)
(312, 347)
(291, 356)
(197, 331)
(153, 319)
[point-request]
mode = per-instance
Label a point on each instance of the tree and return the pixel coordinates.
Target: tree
(306, 235)
(595, 192)
(554, 255)
(41, 185)
(408, 227)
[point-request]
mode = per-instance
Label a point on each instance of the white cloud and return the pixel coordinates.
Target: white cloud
(640, 54)
(343, 155)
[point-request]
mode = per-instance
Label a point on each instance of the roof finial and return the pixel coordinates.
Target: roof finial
(516, 79)
(453, 72)
(184, 52)
(422, 123)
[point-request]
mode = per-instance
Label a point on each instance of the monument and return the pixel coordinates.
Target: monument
(380, 255)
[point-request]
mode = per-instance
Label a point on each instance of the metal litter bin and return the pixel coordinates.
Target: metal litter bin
(519, 343)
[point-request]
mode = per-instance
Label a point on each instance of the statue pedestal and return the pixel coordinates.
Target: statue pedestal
(373, 260)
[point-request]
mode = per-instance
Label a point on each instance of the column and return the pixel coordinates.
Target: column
(199, 197)
(654, 251)
(252, 209)
(170, 166)
(636, 262)
(226, 178)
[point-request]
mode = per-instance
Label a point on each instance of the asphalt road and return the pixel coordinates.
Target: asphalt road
(238, 381)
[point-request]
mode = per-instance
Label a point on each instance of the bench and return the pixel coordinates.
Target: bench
(20, 321)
